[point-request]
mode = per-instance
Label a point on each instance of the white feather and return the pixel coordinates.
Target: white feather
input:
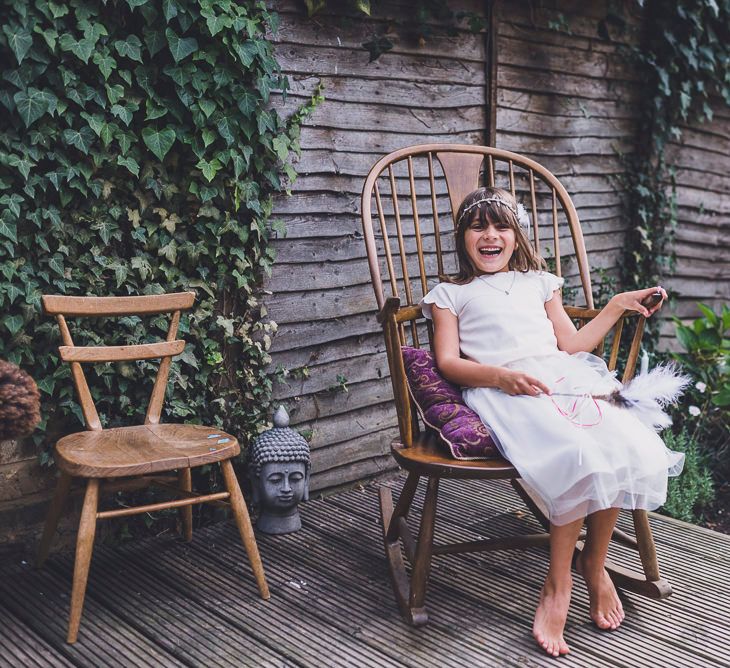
(649, 393)
(523, 218)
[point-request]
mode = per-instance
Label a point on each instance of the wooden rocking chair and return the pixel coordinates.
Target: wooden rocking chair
(411, 191)
(152, 448)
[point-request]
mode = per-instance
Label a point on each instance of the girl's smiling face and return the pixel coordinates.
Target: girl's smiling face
(489, 247)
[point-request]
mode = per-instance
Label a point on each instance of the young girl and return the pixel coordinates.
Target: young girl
(500, 331)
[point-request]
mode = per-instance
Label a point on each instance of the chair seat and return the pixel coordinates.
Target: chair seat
(427, 457)
(138, 450)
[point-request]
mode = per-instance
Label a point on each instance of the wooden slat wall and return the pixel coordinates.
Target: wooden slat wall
(566, 100)
(321, 295)
(569, 101)
(702, 247)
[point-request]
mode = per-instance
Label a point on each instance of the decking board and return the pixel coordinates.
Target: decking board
(164, 602)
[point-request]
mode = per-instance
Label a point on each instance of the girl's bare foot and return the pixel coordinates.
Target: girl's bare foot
(607, 612)
(550, 616)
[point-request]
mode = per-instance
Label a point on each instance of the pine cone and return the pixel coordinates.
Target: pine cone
(19, 402)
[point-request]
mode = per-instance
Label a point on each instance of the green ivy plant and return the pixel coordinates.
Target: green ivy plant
(139, 153)
(686, 58)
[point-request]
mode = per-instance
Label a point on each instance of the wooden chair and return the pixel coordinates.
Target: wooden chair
(103, 455)
(411, 192)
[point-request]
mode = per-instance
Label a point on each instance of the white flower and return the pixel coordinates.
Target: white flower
(694, 411)
(700, 386)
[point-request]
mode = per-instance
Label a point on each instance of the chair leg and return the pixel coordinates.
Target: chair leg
(243, 521)
(422, 564)
(54, 514)
(394, 528)
(185, 480)
(84, 548)
(654, 585)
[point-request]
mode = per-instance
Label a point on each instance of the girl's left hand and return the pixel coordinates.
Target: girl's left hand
(631, 301)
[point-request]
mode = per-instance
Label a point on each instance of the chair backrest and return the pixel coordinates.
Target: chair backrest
(62, 307)
(411, 193)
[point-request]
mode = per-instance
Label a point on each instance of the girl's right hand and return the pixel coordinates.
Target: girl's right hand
(517, 382)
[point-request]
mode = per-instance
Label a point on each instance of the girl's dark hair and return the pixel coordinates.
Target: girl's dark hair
(524, 258)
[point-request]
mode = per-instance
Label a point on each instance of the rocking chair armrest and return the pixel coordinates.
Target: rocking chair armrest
(391, 306)
(583, 313)
(392, 309)
(587, 314)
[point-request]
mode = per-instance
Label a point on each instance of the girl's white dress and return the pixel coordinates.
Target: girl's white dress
(580, 455)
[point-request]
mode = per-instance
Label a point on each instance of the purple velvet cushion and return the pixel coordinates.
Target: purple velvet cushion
(441, 407)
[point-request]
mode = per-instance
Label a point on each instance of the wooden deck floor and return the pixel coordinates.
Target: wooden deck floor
(161, 602)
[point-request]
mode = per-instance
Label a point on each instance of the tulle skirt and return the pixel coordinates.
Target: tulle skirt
(579, 454)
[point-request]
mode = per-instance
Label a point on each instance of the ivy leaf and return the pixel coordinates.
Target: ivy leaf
(13, 323)
(216, 23)
(96, 122)
(106, 229)
(22, 163)
(209, 168)
(130, 163)
(6, 100)
(153, 111)
(247, 103)
(19, 40)
(120, 272)
(105, 62)
(207, 107)
(107, 135)
(142, 265)
(122, 113)
(130, 48)
(135, 3)
(208, 138)
(114, 93)
(13, 292)
(81, 48)
(46, 384)
(81, 139)
(246, 52)
(32, 104)
(225, 129)
(159, 141)
(154, 40)
(56, 263)
(9, 230)
(12, 202)
(169, 251)
(281, 146)
(180, 47)
(125, 142)
(169, 9)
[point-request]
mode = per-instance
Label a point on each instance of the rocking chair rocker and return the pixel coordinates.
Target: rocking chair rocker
(410, 243)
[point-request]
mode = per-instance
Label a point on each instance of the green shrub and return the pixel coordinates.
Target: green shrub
(693, 489)
(704, 412)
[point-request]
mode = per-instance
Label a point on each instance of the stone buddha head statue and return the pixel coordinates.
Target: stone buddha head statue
(279, 470)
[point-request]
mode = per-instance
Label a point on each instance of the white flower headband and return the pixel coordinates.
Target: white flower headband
(520, 212)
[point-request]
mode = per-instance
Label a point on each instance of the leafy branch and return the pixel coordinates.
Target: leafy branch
(139, 154)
